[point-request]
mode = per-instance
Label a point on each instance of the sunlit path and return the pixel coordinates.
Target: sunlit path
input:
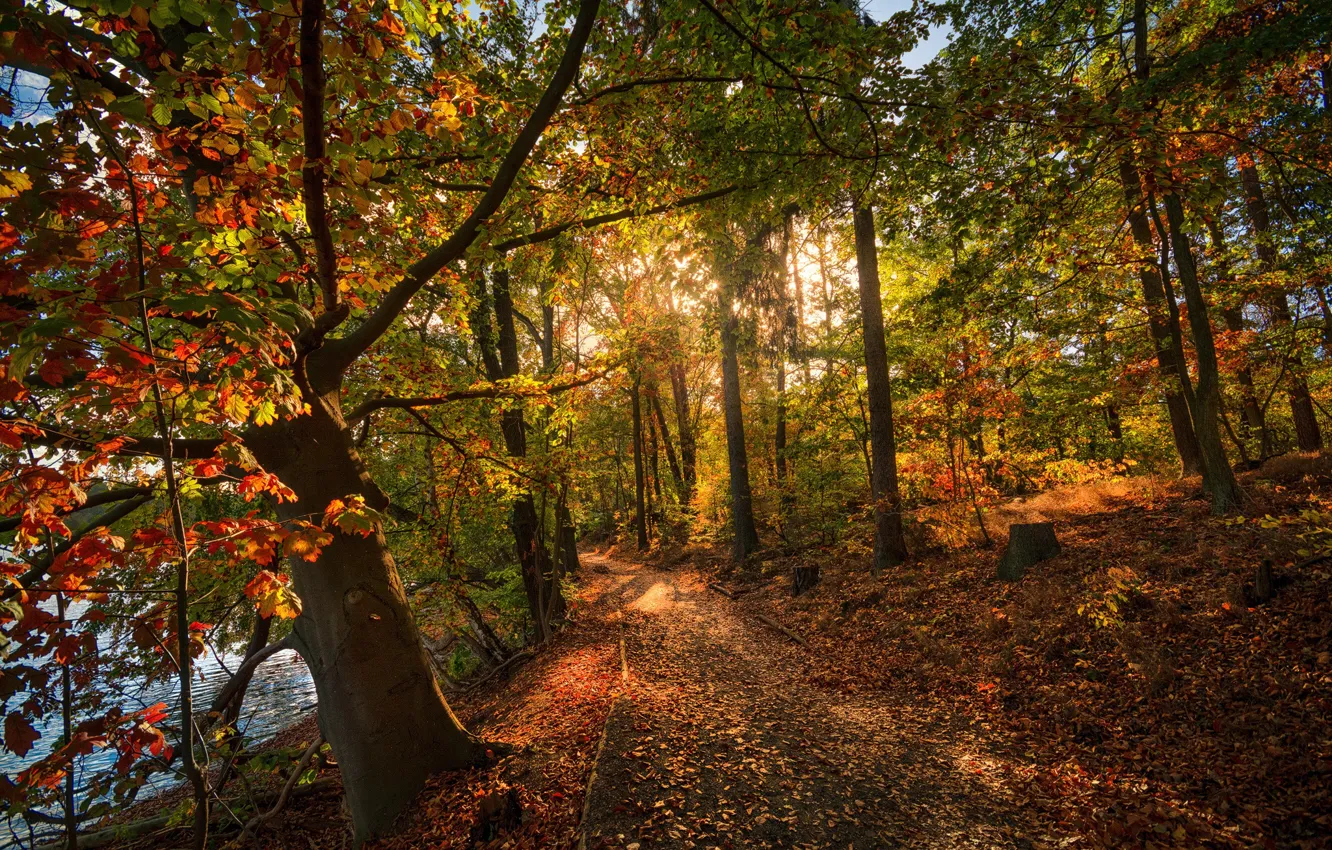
(721, 741)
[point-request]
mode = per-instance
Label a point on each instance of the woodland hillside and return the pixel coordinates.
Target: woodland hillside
(720, 423)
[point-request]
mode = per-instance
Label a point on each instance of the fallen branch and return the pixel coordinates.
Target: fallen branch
(264, 817)
(624, 663)
(766, 620)
(723, 591)
(731, 594)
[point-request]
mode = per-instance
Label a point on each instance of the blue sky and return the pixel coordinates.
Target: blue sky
(925, 51)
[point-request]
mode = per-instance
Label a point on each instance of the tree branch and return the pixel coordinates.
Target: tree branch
(95, 500)
(595, 221)
(492, 390)
(337, 355)
(196, 448)
(43, 566)
(313, 84)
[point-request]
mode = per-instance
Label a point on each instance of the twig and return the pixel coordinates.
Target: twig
(264, 817)
(723, 591)
(766, 620)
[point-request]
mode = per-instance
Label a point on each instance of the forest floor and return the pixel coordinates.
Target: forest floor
(934, 707)
(723, 740)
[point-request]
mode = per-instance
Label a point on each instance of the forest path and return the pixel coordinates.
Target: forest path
(721, 741)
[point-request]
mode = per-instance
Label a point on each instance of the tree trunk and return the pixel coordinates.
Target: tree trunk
(672, 461)
(779, 447)
(1234, 319)
(746, 540)
(566, 535)
(1218, 478)
(688, 447)
(263, 627)
(379, 705)
(1171, 366)
(544, 600)
(1307, 432)
(640, 512)
(889, 543)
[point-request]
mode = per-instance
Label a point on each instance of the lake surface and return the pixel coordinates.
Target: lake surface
(280, 694)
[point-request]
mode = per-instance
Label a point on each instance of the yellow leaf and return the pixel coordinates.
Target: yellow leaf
(245, 98)
(17, 182)
(202, 187)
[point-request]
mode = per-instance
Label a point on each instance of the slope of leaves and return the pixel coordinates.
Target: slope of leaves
(1188, 717)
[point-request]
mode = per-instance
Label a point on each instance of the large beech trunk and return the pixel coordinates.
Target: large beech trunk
(379, 705)
(746, 540)
(889, 542)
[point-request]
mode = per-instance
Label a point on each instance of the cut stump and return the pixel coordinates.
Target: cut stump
(1028, 544)
(803, 578)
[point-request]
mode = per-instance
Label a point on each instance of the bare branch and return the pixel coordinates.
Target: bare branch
(549, 233)
(493, 390)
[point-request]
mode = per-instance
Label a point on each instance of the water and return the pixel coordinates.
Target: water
(280, 694)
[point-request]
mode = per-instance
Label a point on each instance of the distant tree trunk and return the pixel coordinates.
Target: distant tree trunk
(779, 446)
(1218, 478)
(1234, 319)
(672, 460)
(1116, 429)
(798, 347)
(640, 512)
(544, 600)
(746, 540)
(688, 450)
(259, 634)
(566, 535)
(786, 339)
(889, 542)
(827, 309)
(1174, 374)
(1307, 432)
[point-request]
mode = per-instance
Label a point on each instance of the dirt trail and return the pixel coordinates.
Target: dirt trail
(720, 741)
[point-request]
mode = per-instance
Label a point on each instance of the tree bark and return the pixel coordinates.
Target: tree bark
(889, 542)
(640, 512)
(1218, 478)
(746, 540)
(379, 705)
(688, 446)
(543, 591)
(1169, 363)
(1307, 433)
(1234, 319)
(672, 460)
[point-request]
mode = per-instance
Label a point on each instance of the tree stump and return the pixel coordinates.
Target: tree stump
(1262, 583)
(803, 578)
(1028, 544)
